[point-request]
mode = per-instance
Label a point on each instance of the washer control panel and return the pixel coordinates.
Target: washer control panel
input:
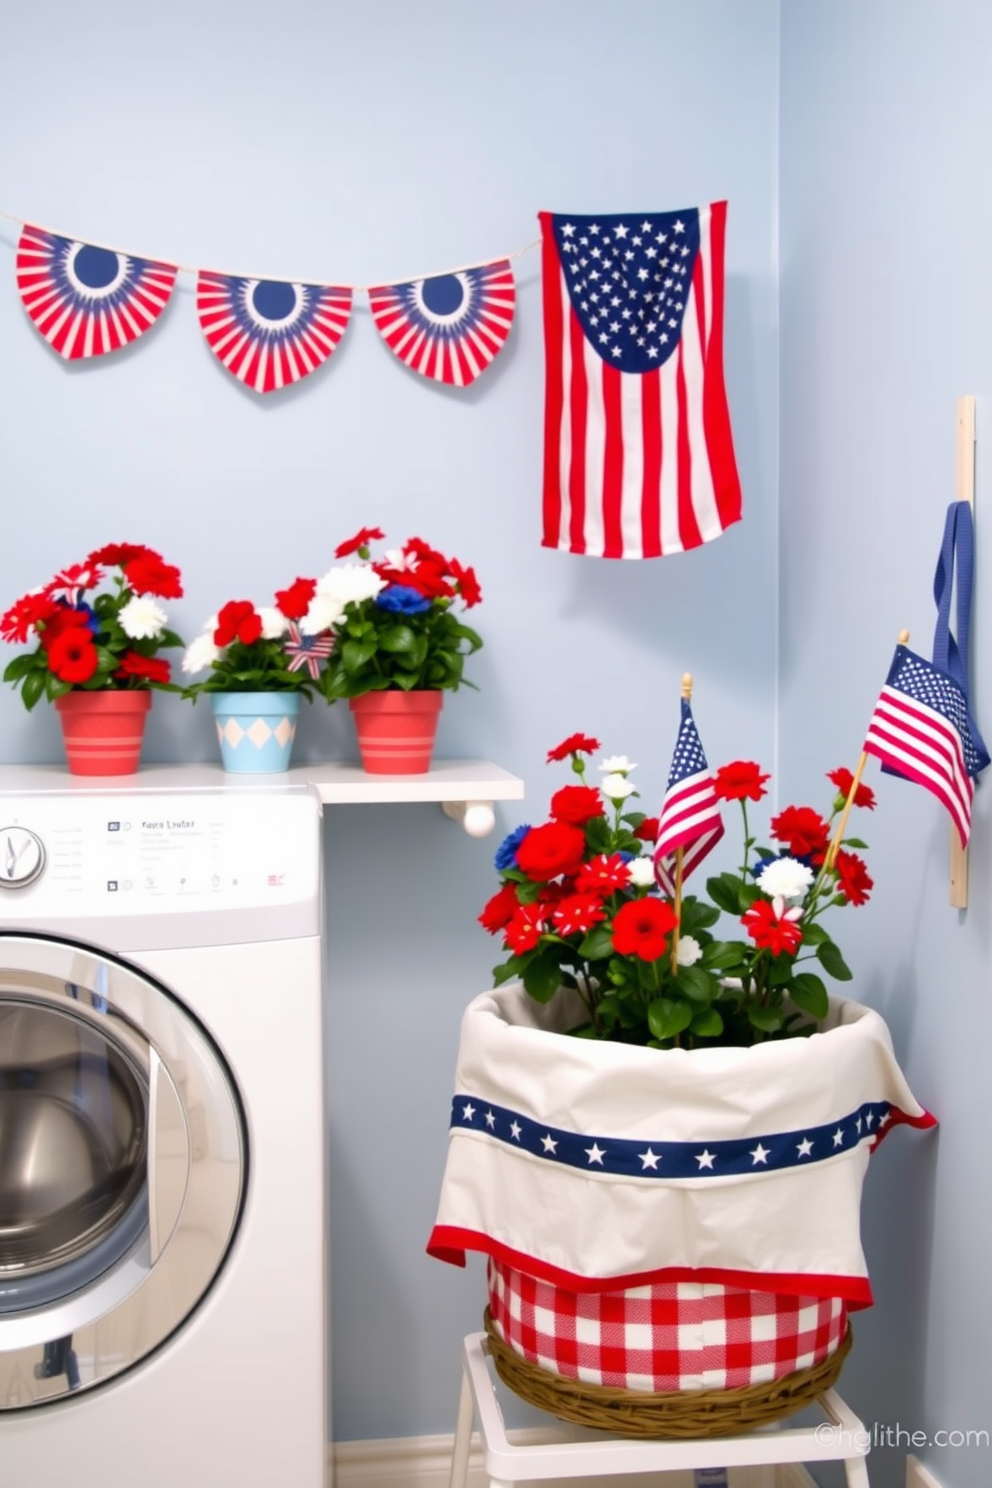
(135, 853)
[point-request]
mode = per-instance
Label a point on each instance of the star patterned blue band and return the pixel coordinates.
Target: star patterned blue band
(662, 1159)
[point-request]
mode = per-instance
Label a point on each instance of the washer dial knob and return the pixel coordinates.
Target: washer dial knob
(22, 857)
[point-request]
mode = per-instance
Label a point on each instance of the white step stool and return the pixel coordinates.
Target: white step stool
(581, 1453)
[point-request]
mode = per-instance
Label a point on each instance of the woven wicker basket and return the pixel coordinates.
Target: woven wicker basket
(680, 1414)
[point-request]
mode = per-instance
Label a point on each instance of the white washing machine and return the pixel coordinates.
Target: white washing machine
(162, 1248)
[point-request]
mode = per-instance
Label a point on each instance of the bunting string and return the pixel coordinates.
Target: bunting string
(478, 263)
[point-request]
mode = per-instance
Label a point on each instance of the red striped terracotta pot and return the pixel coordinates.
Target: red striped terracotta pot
(103, 730)
(396, 730)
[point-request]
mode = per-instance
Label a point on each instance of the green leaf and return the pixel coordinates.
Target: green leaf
(707, 1023)
(721, 955)
(725, 892)
(809, 994)
(814, 935)
(542, 978)
(855, 842)
(397, 638)
(634, 818)
(780, 970)
(695, 983)
(667, 1018)
(833, 962)
(597, 945)
(505, 972)
(697, 916)
(763, 1018)
(598, 834)
(354, 654)
(747, 894)
(32, 688)
(21, 665)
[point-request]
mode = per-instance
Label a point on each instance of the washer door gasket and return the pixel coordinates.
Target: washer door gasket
(122, 1167)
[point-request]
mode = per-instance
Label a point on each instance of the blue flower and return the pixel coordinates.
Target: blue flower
(506, 853)
(402, 600)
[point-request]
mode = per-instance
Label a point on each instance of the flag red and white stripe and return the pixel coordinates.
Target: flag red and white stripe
(921, 744)
(690, 814)
(638, 464)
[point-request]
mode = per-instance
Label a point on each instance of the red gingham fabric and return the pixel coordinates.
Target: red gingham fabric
(663, 1337)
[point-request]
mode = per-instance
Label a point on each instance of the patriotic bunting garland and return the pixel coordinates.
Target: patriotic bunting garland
(269, 333)
(451, 326)
(87, 300)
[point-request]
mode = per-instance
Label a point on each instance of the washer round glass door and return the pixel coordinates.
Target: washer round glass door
(122, 1167)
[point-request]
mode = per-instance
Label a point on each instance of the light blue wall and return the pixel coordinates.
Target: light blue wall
(886, 315)
(367, 142)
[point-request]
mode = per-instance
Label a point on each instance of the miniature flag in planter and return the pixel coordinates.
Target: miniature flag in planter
(270, 333)
(638, 453)
(690, 813)
(87, 300)
(921, 730)
(307, 650)
(451, 326)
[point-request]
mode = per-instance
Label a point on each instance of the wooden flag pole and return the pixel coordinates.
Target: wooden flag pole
(964, 488)
(687, 695)
(834, 847)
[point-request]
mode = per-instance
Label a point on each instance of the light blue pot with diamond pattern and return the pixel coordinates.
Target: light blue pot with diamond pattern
(255, 730)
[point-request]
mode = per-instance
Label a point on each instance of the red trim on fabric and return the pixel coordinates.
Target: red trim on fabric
(553, 393)
(900, 1118)
(612, 463)
(450, 1242)
(716, 410)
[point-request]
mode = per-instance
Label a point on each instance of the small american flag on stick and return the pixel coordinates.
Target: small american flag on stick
(690, 814)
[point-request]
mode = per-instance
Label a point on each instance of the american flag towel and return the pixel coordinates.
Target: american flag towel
(638, 452)
(598, 1165)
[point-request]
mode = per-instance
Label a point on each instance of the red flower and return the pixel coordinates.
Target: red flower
(603, 874)
(576, 804)
(524, 930)
(574, 744)
(72, 655)
(147, 574)
(500, 909)
(771, 928)
(742, 778)
(853, 878)
(843, 779)
(295, 601)
(24, 616)
(415, 547)
(238, 621)
(70, 582)
(648, 830)
(115, 555)
(466, 583)
(361, 539)
(63, 618)
(578, 913)
(641, 928)
(151, 668)
(550, 850)
(430, 580)
(803, 831)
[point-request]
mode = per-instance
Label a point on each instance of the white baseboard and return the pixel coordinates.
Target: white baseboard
(425, 1462)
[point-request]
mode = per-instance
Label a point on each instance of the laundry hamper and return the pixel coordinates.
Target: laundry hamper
(672, 1236)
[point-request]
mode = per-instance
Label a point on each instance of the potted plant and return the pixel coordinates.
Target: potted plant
(260, 662)
(96, 654)
(399, 646)
(659, 1133)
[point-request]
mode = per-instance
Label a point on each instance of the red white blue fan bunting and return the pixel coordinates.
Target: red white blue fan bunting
(451, 326)
(87, 300)
(270, 333)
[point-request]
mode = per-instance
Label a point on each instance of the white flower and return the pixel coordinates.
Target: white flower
(350, 583)
(396, 558)
(274, 623)
(200, 653)
(616, 787)
(785, 878)
(321, 614)
(618, 762)
(689, 950)
(142, 619)
(641, 872)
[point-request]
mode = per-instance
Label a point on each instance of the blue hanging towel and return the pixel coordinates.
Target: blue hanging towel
(955, 571)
